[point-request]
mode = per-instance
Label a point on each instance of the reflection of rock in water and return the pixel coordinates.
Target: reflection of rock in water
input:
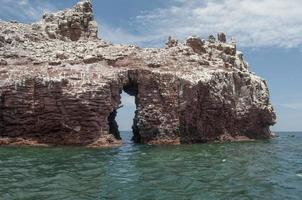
(60, 84)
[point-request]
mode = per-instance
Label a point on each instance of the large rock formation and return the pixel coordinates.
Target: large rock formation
(60, 84)
(71, 24)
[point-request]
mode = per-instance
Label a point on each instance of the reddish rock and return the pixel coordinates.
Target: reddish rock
(66, 90)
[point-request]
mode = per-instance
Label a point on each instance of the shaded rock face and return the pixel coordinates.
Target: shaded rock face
(229, 109)
(196, 44)
(62, 85)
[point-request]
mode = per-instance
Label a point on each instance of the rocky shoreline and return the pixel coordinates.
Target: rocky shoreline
(60, 85)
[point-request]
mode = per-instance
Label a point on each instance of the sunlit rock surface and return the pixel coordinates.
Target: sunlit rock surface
(60, 84)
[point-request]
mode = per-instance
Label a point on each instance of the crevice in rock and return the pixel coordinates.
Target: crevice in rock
(1, 114)
(131, 88)
(136, 133)
(113, 126)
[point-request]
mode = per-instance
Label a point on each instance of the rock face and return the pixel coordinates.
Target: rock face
(71, 24)
(60, 84)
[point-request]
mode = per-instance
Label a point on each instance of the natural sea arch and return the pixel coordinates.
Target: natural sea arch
(126, 114)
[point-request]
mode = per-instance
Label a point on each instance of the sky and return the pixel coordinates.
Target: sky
(268, 32)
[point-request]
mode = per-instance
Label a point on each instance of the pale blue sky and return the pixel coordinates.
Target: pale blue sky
(269, 32)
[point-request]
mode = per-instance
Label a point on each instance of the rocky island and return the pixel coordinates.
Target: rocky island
(60, 84)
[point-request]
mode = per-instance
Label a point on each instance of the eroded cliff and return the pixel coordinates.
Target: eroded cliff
(61, 84)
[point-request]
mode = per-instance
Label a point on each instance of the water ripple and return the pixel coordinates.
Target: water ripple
(250, 170)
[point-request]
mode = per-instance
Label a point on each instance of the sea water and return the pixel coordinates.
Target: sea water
(269, 169)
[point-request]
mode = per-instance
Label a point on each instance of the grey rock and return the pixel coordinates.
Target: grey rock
(71, 24)
(172, 42)
(3, 62)
(212, 39)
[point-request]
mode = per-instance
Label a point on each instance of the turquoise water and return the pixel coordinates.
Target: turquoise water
(251, 170)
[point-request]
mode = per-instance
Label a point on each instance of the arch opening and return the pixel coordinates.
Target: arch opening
(123, 121)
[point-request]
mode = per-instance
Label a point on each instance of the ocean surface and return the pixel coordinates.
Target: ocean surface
(249, 170)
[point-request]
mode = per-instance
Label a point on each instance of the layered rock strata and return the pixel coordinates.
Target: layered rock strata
(61, 85)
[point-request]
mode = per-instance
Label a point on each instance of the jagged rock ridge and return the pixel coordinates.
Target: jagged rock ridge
(60, 84)
(71, 24)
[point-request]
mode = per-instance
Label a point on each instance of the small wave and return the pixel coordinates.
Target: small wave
(299, 175)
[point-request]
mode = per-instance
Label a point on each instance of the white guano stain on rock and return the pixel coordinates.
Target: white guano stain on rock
(60, 84)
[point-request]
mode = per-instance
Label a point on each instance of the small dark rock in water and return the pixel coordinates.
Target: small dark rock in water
(189, 92)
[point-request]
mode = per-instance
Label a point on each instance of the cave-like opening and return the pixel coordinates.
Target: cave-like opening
(123, 121)
(125, 116)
